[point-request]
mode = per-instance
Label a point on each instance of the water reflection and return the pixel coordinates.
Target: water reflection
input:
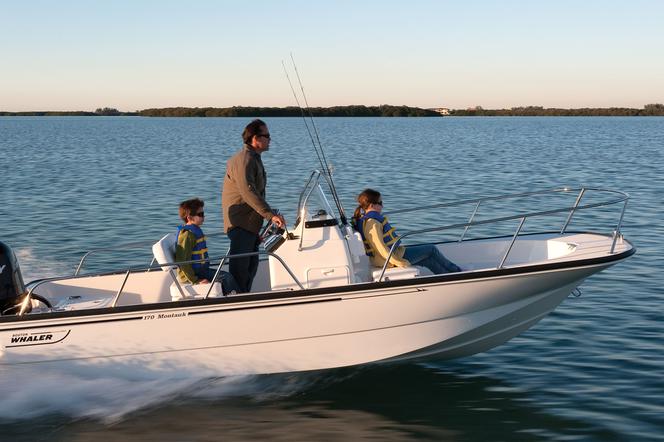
(381, 403)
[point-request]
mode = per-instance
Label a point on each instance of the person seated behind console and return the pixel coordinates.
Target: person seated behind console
(191, 246)
(378, 236)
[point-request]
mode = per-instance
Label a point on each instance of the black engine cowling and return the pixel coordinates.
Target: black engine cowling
(12, 287)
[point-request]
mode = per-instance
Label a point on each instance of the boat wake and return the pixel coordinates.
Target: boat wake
(32, 392)
(34, 267)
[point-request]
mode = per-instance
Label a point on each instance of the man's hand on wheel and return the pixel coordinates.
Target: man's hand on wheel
(279, 221)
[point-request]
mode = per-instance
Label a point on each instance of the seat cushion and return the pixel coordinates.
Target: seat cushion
(394, 273)
(194, 291)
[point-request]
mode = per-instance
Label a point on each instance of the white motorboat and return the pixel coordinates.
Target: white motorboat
(316, 302)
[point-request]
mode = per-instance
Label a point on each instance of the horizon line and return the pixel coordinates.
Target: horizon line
(469, 108)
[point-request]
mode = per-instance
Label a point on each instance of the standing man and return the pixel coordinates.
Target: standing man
(243, 202)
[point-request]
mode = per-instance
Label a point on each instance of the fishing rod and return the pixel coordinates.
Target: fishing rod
(304, 118)
(320, 146)
(318, 149)
(321, 157)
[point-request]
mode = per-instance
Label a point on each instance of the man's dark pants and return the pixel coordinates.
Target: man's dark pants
(243, 269)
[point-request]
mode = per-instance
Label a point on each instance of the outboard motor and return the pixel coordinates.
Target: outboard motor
(12, 287)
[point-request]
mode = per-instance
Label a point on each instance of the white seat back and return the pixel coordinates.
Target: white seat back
(164, 250)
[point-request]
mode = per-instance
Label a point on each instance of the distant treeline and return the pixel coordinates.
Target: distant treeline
(356, 111)
(248, 111)
(291, 111)
(47, 114)
(102, 111)
(537, 111)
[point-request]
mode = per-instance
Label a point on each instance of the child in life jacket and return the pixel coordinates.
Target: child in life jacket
(379, 236)
(191, 246)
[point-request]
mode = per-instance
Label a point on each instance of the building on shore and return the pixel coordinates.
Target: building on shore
(441, 110)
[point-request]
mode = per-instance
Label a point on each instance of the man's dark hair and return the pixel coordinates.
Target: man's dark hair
(252, 129)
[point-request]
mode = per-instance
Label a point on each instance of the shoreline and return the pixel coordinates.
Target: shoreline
(352, 111)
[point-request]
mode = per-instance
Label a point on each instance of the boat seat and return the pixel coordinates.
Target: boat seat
(164, 253)
(394, 273)
(83, 303)
(364, 271)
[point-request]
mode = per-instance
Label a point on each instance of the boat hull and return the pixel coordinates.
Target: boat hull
(429, 318)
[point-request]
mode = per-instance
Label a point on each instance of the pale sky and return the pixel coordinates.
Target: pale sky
(81, 55)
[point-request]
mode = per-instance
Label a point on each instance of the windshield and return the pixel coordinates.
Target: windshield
(313, 204)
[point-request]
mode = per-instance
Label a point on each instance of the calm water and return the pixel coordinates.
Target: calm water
(592, 370)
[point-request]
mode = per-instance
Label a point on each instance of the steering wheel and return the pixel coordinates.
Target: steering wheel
(269, 230)
(17, 307)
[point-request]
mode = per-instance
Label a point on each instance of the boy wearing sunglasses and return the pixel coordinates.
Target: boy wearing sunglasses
(191, 246)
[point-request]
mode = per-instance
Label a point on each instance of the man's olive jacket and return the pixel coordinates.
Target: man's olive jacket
(243, 193)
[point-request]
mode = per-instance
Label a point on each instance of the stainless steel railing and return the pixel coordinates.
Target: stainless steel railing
(166, 266)
(621, 197)
(522, 217)
(125, 246)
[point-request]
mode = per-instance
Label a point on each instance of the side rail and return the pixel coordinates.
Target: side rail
(127, 246)
(166, 266)
(522, 217)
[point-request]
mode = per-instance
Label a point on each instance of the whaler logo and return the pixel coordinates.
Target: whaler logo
(37, 338)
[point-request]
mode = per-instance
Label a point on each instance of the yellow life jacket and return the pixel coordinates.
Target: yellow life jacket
(389, 233)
